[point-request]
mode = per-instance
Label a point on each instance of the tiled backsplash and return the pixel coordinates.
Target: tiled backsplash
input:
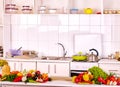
(43, 32)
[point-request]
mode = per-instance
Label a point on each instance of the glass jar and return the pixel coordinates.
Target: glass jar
(11, 10)
(27, 11)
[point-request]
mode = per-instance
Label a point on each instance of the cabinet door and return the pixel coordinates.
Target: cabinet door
(14, 65)
(108, 67)
(27, 65)
(61, 69)
(43, 67)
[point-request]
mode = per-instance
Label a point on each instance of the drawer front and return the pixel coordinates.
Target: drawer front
(110, 68)
(82, 66)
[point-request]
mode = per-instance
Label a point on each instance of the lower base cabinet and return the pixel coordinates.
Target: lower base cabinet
(54, 69)
(110, 68)
(22, 65)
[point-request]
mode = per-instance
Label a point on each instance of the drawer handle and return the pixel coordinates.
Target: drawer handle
(15, 66)
(113, 70)
(48, 68)
(54, 68)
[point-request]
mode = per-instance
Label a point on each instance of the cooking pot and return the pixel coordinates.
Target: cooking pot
(93, 57)
(79, 57)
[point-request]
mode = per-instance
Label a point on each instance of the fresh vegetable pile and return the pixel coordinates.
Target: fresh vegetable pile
(26, 76)
(97, 72)
(96, 75)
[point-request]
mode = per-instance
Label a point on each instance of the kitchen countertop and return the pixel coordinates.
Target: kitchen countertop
(104, 60)
(38, 60)
(108, 61)
(56, 83)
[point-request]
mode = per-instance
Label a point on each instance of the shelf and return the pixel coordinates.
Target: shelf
(65, 6)
(1, 25)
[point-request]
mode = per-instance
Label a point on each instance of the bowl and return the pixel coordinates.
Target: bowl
(15, 52)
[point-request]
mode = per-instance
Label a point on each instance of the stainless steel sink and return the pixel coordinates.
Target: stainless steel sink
(55, 58)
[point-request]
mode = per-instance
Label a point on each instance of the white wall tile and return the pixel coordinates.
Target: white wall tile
(43, 48)
(32, 19)
(53, 20)
(84, 20)
(53, 32)
(63, 19)
(73, 19)
(22, 32)
(14, 32)
(7, 18)
(116, 20)
(106, 32)
(106, 49)
(42, 28)
(23, 19)
(53, 48)
(63, 29)
(33, 45)
(116, 33)
(32, 32)
(95, 29)
(15, 19)
(107, 19)
(74, 28)
(43, 19)
(43, 33)
(39, 18)
(115, 46)
(95, 20)
(84, 29)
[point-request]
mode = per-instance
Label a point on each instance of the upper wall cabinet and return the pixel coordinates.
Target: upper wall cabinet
(1, 14)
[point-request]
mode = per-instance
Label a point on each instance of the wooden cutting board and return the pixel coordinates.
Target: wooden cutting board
(61, 78)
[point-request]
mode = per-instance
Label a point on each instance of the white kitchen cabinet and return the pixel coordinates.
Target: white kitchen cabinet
(110, 67)
(22, 65)
(54, 69)
(14, 65)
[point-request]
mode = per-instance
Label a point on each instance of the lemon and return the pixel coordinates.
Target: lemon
(31, 71)
(73, 79)
(86, 77)
(19, 74)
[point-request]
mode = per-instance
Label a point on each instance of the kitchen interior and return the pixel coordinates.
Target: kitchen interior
(53, 36)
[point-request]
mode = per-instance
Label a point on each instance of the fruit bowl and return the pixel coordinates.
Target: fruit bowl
(79, 57)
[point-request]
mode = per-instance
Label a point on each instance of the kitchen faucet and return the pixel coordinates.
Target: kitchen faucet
(64, 52)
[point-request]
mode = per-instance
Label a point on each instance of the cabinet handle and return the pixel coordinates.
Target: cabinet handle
(54, 68)
(113, 70)
(21, 67)
(15, 66)
(48, 68)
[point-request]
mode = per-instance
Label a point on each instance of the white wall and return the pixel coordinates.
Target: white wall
(1, 35)
(42, 32)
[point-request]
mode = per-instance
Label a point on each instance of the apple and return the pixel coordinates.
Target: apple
(77, 80)
(37, 73)
(29, 75)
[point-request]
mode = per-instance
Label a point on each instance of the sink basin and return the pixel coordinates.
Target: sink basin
(55, 58)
